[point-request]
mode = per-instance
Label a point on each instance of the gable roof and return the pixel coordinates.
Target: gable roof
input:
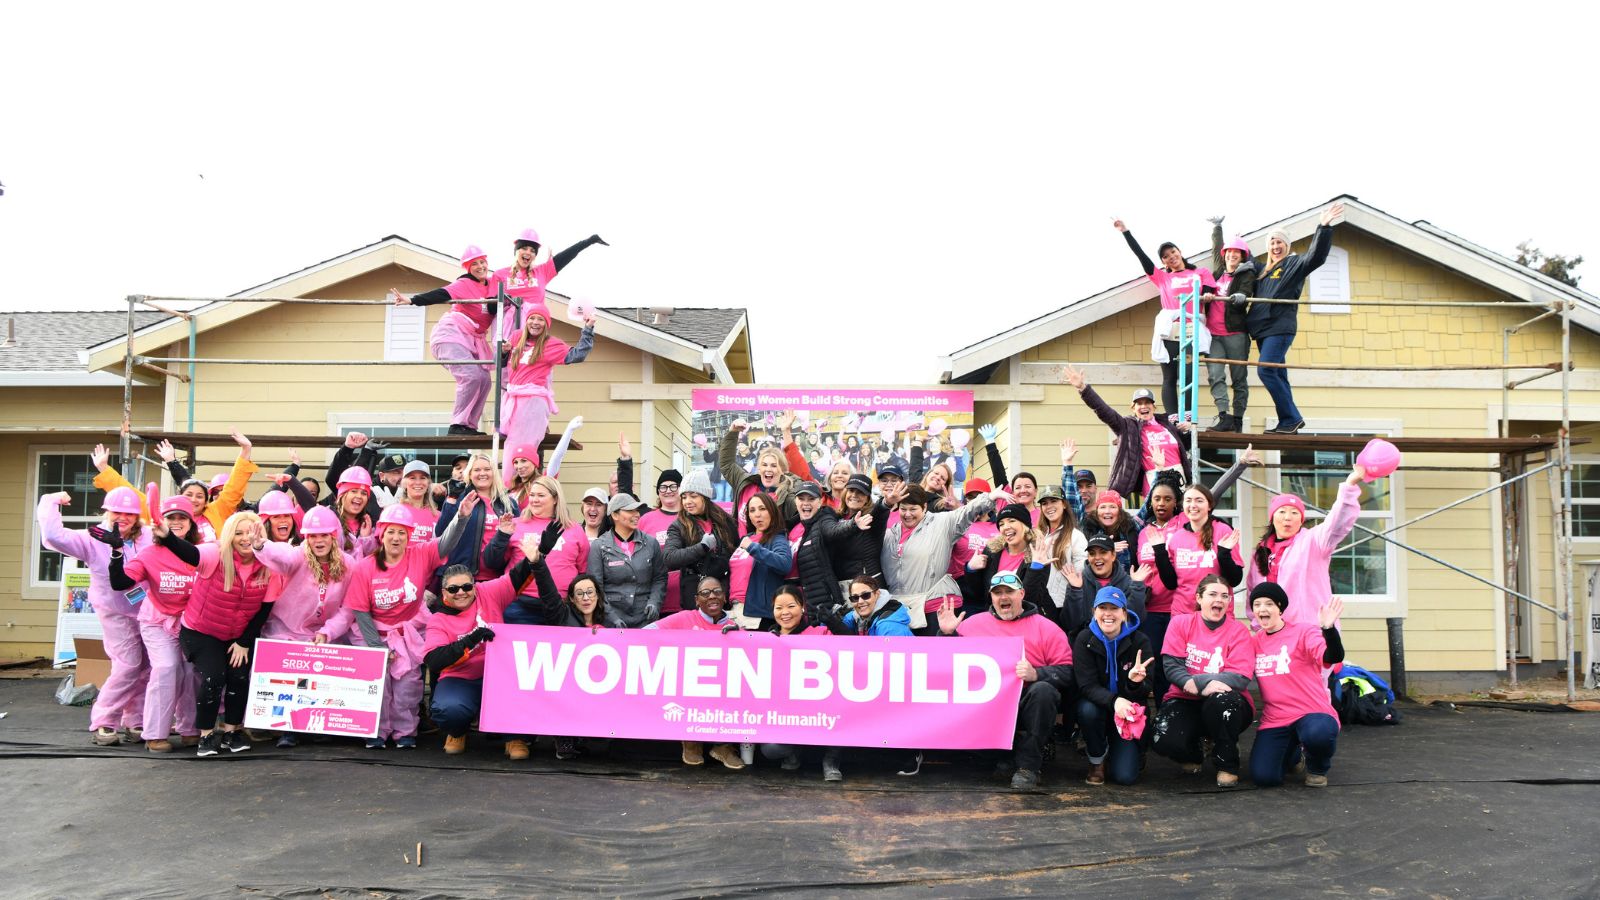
(694, 337)
(50, 346)
(1442, 247)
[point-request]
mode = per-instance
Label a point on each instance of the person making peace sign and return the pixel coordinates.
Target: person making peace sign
(1110, 660)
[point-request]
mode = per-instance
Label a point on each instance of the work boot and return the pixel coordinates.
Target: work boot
(830, 766)
(1097, 774)
(107, 737)
(1316, 781)
(694, 753)
(729, 757)
(455, 745)
(1227, 779)
(161, 746)
(517, 750)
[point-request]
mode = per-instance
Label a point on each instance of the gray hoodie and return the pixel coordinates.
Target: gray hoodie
(921, 568)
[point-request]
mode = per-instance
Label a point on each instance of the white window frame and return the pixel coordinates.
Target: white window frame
(1364, 606)
(32, 588)
(1338, 266)
(1588, 540)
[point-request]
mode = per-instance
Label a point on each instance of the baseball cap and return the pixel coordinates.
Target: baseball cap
(597, 494)
(417, 465)
(808, 487)
(623, 502)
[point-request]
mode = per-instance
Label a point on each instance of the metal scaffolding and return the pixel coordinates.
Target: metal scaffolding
(1513, 469)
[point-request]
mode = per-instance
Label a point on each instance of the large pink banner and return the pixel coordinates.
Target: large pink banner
(874, 399)
(950, 693)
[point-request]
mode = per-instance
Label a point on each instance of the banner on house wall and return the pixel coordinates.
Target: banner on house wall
(863, 427)
(747, 686)
(316, 688)
(74, 612)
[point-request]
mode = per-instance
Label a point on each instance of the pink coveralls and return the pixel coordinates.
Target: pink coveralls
(303, 606)
(460, 334)
(394, 599)
(120, 703)
(528, 401)
(169, 696)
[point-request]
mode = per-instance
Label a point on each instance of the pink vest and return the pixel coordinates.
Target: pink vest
(222, 612)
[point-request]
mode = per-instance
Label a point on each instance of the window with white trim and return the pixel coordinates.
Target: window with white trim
(1586, 497)
(73, 472)
(1360, 569)
(438, 460)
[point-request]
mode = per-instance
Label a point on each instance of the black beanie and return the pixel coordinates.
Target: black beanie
(672, 475)
(1015, 511)
(1272, 592)
(520, 244)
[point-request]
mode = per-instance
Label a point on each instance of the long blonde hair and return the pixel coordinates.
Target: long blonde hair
(521, 340)
(558, 500)
(230, 530)
(335, 571)
(499, 495)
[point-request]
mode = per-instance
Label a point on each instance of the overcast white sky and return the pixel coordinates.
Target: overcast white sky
(897, 178)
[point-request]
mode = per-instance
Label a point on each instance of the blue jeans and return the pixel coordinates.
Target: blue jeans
(1104, 744)
(456, 702)
(1275, 349)
(1277, 750)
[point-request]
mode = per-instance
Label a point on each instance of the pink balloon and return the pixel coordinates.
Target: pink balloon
(1379, 459)
(578, 308)
(887, 435)
(937, 426)
(960, 438)
(700, 441)
(821, 424)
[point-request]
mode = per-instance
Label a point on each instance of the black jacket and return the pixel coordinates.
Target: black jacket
(693, 561)
(1242, 285)
(814, 558)
(1089, 667)
(858, 552)
(1283, 281)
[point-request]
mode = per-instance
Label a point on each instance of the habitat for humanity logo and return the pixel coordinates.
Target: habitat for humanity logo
(672, 712)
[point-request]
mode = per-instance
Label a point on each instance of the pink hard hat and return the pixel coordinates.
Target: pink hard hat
(219, 481)
(1239, 244)
(355, 476)
(123, 500)
(320, 520)
(529, 235)
(275, 503)
(177, 504)
(473, 252)
(397, 514)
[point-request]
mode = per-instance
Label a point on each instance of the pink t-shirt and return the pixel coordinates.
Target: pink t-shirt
(529, 287)
(1157, 598)
(567, 560)
(1289, 673)
(1192, 562)
(655, 523)
(1176, 284)
(969, 545)
(426, 519)
(167, 579)
(1160, 447)
(527, 369)
(739, 567)
(1217, 309)
(1228, 648)
(1043, 642)
(394, 595)
(690, 620)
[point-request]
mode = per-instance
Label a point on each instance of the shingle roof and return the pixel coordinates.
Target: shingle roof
(49, 341)
(706, 327)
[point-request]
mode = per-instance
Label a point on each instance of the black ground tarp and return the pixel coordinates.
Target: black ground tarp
(1477, 803)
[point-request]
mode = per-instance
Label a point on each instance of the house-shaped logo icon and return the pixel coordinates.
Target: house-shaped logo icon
(672, 712)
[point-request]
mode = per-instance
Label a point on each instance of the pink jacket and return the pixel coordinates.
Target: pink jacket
(95, 555)
(1303, 570)
(302, 606)
(219, 611)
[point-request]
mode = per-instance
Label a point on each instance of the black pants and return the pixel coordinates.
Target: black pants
(1036, 721)
(1169, 378)
(219, 682)
(1181, 723)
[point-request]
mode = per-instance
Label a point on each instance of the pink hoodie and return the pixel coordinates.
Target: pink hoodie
(1303, 569)
(303, 606)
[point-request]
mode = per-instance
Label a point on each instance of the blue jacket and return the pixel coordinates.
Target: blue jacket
(1283, 281)
(772, 561)
(889, 619)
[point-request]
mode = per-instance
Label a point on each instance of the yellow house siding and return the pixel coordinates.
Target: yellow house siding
(28, 616)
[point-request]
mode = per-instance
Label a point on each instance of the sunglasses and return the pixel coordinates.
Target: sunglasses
(1005, 580)
(857, 598)
(457, 588)
(709, 593)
